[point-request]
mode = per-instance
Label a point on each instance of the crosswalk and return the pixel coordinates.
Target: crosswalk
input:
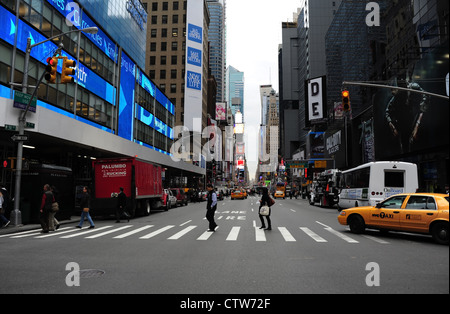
(228, 234)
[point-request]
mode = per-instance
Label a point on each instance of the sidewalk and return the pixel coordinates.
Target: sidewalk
(15, 229)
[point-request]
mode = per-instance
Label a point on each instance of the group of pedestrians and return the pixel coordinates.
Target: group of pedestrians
(85, 204)
(266, 201)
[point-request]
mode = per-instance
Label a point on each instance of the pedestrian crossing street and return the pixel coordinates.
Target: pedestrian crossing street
(321, 233)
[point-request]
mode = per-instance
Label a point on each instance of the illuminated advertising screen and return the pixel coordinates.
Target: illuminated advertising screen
(86, 78)
(126, 102)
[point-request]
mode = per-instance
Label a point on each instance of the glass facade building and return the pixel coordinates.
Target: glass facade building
(113, 108)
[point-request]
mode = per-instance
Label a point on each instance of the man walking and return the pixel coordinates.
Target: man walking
(121, 209)
(211, 207)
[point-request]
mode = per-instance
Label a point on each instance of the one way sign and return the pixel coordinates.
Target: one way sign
(19, 138)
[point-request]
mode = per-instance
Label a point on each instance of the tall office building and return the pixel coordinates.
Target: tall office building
(217, 41)
(235, 90)
(166, 62)
(313, 22)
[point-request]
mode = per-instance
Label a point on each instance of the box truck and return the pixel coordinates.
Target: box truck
(141, 181)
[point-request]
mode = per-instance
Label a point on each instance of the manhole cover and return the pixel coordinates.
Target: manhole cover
(91, 273)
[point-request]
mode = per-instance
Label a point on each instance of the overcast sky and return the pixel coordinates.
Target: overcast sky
(253, 36)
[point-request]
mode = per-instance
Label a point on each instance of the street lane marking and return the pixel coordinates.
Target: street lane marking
(260, 235)
(313, 235)
(108, 232)
(28, 234)
(206, 235)
(133, 232)
(19, 234)
(185, 223)
(292, 210)
(82, 233)
(151, 235)
(182, 233)
(53, 234)
(234, 233)
(286, 234)
(375, 239)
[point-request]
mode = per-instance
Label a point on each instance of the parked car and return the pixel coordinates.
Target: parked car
(168, 200)
(425, 213)
(180, 195)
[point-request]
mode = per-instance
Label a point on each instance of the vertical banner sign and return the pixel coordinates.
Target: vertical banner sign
(194, 66)
(316, 100)
(126, 102)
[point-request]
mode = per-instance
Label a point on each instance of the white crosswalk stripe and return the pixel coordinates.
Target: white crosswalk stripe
(313, 235)
(286, 234)
(155, 233)
(234, 233)
(182, 233)
(230, 234)
(122, 236)
(108, 232)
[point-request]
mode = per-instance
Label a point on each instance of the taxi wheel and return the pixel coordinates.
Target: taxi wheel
(357, 224)
(440, 233)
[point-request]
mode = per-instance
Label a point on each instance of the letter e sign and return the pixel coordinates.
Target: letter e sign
(315, 99)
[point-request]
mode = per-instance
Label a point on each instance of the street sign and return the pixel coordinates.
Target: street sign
(297, 164)
(9, 127)
(21, 101)
(29, 125)
(19, 138)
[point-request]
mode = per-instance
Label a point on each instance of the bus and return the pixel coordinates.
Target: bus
(372, 183)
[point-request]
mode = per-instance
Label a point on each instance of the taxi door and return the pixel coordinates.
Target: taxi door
(419, 212)
(386, 215)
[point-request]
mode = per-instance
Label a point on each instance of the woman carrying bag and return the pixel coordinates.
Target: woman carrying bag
(85, 204)
(265, 210)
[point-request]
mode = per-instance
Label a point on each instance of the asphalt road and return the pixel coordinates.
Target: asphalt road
(307, 252)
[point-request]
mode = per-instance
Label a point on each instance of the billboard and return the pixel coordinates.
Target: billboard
(316, 100)
(194, 66)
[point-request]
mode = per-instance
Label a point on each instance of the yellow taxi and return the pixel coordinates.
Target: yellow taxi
(425, 213)
(279, 194)
(244, 191)
(237, 194)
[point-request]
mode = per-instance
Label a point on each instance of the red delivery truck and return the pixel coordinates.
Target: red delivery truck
(141, 181)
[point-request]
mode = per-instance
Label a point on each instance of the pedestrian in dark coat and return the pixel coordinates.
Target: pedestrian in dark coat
(85, 205)
(46, 206)
(265, 201)
(121, 209)
(211, 207)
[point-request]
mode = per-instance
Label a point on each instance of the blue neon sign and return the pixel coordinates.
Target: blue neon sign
(74, 16)
(86, 78)
(126, 102)
(149, 119)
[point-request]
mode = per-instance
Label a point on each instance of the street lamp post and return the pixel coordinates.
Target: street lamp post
(16, 215)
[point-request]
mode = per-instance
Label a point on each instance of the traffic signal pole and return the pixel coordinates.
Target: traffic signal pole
(16, 215)
(396, 87)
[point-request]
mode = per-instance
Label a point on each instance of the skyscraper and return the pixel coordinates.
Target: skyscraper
(217, 42)
(235, 90)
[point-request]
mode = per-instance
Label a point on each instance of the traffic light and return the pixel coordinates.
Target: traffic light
(50, 70)
(346, 101)
(67, 70)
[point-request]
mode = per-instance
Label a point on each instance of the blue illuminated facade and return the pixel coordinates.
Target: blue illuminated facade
(113, 94)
